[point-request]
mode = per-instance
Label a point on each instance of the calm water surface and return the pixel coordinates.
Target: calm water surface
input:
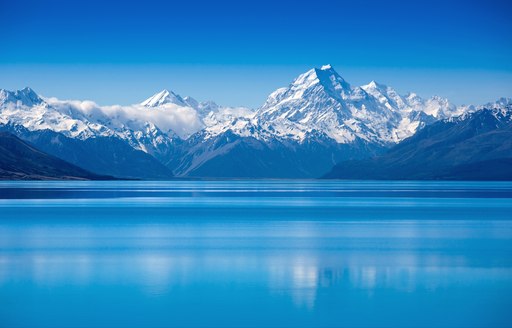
(255, 253)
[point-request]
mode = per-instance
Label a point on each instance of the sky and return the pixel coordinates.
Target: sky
(237, 52)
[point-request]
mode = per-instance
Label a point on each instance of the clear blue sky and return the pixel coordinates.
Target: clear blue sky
(237, 52)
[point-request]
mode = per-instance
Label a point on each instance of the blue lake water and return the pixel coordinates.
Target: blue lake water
(264, 253)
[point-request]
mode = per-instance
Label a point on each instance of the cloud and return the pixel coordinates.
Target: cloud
(184, 121)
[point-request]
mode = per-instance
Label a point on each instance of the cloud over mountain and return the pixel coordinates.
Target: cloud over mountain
(302, 130)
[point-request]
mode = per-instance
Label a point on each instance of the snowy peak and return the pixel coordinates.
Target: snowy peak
(328, 76)
(502, 103)
(385, 95)
(315, 84)
(23, 97)
(325, 76)
(501, 109)
(164, 97)
(436, 106)
(373, 85)
(321, 100)
(189, 101)
(381, 92)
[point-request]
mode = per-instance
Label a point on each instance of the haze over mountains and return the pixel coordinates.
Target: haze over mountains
(301, 131)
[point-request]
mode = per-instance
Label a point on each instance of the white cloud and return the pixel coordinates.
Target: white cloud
(184, 121)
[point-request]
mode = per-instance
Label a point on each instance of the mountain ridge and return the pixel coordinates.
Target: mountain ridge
(20, 160)
(453, 149)
(319, 113)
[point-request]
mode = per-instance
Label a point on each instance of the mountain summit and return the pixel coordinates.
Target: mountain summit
(164, 97)
(321, 100)
(23, 97)
(302, 129)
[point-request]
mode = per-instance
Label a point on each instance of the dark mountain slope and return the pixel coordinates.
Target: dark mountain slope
(20, 160)
(476, 146)
(101, 155)
(231, 156)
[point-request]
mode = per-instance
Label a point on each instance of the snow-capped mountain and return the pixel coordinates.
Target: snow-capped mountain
(321, 100)
(33, 117)
(501, 105)
(166, 97)
(81, 120)
(301, 130)
(318, 101)
(476, 145)
(23, 97)
(156, 127)
(318, 120)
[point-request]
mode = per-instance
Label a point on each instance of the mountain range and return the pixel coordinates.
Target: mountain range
(473, 146)
(302, 130)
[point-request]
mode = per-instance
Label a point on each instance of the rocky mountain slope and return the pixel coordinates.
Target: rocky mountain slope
(22, 161)
(473, 146)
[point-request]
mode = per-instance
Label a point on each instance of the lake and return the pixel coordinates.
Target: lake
(261, 253)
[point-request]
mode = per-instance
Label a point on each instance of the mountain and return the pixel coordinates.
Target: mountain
(21, 161)
(84, 120)
(123, 141)
(101, 155)
(322, 100)
(166, 97)
(474, 146)
(301, 131)
(23, 97)
(231, 155)
(106, 143)
(304, 129)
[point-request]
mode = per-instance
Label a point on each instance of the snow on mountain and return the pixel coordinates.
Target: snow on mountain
(214, 119)
(206, 107)
(501, 104)
(152, 132)
(315, 100)
(229, 118)
(318, 101)
(386, 96)
(321, 100)
(40, 116)
(171, 118)
(500, 109)
(191, 102)
(473, 146)
(23, 97)
(319, 106)
(437, 107)
(164, 97)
